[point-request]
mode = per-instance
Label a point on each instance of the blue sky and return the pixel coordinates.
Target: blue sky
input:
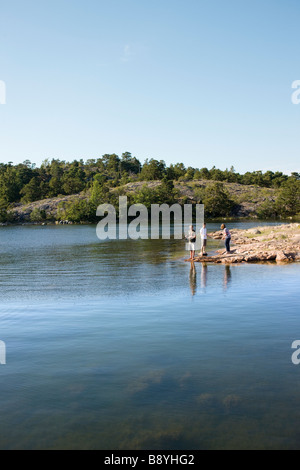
(200, 82)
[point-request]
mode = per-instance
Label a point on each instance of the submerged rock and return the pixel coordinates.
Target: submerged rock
(206, 400)
(231, 402)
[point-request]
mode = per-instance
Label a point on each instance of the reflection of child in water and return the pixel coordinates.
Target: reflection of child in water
(227, 276)
(204, 275)
(193, 279)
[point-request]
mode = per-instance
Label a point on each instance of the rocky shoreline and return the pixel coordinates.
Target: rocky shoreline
(278, 243)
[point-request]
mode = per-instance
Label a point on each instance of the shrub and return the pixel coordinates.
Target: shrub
(268, 210)
(217, 201)
(289, 198)
(80, 211)
(37, 215)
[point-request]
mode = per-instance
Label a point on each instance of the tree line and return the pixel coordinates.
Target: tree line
(27, 183)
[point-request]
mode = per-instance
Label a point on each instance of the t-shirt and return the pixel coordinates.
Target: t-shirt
(203, 233)
(192, 236)
(227, 233)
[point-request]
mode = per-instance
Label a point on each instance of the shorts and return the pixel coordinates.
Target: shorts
(204, 242)
(191, 246)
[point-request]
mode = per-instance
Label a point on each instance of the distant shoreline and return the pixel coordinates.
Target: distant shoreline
(232, 201)
(229, 220)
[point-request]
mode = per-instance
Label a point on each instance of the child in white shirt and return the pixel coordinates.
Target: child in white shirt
(203, 234)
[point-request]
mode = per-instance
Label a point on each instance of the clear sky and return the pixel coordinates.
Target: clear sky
(200, 82)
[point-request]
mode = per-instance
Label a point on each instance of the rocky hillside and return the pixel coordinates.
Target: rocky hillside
(22, 212)
(247, 198)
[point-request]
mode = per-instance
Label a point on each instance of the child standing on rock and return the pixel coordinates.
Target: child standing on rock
(226, 237)
(191, 237)
(203, 234)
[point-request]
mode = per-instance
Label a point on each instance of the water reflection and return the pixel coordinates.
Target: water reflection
(227, 277)
(224, 279)
(193, 278)
(204, 276)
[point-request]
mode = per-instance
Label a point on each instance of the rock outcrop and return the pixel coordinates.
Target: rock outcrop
(280, 243)
(22, 212)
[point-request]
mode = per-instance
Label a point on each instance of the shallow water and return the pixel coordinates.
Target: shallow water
(121, 345)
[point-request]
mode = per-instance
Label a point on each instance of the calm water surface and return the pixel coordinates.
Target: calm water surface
(121, 345)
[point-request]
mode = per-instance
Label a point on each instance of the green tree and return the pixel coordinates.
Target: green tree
(217, 175)
(179, 170)
(5, 215)
(100, 192)
(204, 174)
(190, 172)
(31, 191)
(230, 175)
(74, 179)
(153, 170)
(217, 201)
(112, 165)
(279, 179)
(166, 192)
(170, 173)
(146, 196)
(289, 198)
(9, 184)
(130, 164)
(24, 173)
(54, 173)
(268, 210)
(72, 185)
(55, 187)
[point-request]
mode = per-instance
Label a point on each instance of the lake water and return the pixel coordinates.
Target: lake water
(121, 345)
